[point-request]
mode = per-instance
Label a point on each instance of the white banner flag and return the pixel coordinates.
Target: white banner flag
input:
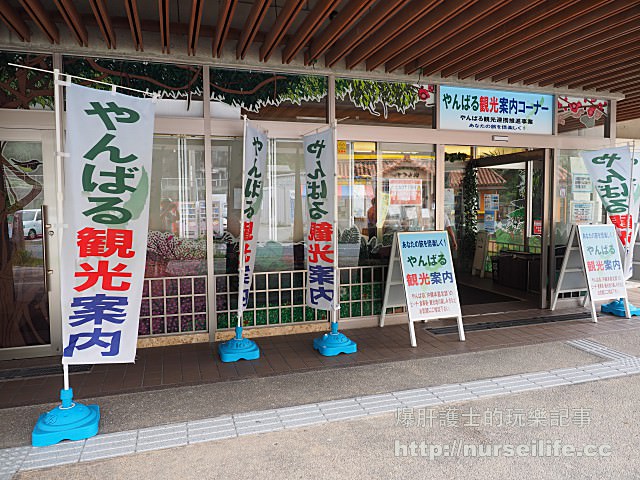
(322, 258)
(256, 144)
(106, 213)
(610, 171)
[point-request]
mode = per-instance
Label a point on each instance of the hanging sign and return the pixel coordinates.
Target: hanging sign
(495, 111)
(423, 261)
(106, 209)
(320, 161)
(610, 172)
(255, 161)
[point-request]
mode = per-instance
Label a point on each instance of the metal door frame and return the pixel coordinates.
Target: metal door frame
(51, 238)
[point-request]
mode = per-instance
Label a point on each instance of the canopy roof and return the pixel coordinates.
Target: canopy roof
(575, 45)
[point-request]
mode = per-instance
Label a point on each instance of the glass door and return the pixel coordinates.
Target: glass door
(26, 206)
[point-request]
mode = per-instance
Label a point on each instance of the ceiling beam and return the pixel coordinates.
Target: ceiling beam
(545, 59)
(400, 22)
(73, 20)
(512, 13)
(251, 26)
(350, 14)
(225, 15)
(283, 21)
(630, 75)
(441, 14)
(373, 21)
(601, 51)
(197, 6)
(566, 34)
(104, 22)
(309, 26)
(42, 19)
(12, 19)
(165, 25)
(500, 40)
(617, 83)
(475, 14)
(496, 52)
(131, 8)
(589, 65)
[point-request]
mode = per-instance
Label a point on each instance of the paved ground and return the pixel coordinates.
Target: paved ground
(139, 410)
(366, 448)
(604, 413)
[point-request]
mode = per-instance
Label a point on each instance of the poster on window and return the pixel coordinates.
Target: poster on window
(320, 160)
(610, 171)
(580, 182)
(581, 212)
(106, 214)
(256, 144)
(405, 191)
(491, 201)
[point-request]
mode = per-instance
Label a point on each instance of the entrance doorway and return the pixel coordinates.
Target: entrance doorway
(494, 199)
(27, 209)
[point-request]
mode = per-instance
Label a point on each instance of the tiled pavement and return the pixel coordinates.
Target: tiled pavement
(117, 444)
(166, 367)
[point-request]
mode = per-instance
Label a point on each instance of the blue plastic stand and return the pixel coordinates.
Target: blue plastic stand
(238, 348)
(617, 308)
(69, 421)
(334, 343)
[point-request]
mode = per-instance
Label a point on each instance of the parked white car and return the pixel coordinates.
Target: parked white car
(31, 223)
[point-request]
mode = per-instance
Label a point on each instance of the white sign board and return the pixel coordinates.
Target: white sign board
(592, 266)
(599, 247)
(423, 260)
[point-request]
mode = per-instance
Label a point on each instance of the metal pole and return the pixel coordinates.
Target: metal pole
(241, 265)
(57, 101)
(336, 281)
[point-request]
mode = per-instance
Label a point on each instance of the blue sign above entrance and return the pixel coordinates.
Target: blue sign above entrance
(495, 111)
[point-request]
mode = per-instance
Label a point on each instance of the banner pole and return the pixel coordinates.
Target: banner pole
(241, 265)
(334, 342)
(240, 348)
(336, 248)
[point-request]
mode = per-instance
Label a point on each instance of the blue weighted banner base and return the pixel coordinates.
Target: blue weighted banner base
(334, 343)
(238, 348)
(69, 421)
(617, 308)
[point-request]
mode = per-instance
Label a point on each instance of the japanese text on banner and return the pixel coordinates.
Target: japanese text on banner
(109, 141)
(610, 172)
(319, 157)
(255, 160)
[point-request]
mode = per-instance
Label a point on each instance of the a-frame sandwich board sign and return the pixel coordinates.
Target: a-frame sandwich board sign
(421, 278)
(592, 265)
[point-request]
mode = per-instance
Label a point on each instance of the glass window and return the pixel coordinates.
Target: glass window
(268, 96)
(367, 102)
(577, 200)
(382, 188)
(22, 88)
(584, 117)
(177, 210)
(179, 86)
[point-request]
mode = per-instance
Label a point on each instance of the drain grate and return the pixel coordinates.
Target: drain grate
(474, 327)
(41, 371)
